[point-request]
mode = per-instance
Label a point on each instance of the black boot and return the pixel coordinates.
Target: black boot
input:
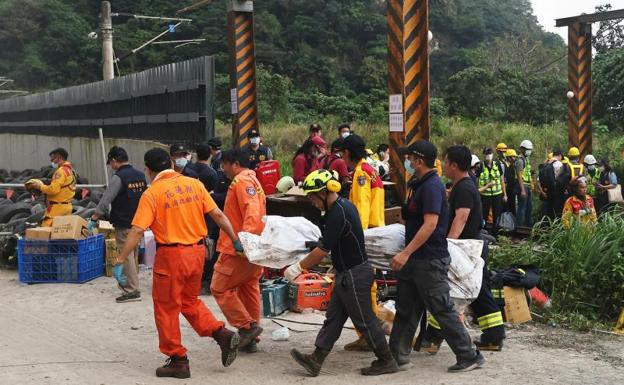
(176, 367)
(384, 364)
(310, 362)
(228, 341)
(249, 334)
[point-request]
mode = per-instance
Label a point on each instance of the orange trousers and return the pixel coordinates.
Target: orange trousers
(176, 287)
(236, 287)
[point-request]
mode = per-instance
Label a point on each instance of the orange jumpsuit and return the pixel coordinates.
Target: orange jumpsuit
(59, 193)
(173, 208)
(235, 281)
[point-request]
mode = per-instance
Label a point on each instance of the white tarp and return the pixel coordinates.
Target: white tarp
(282, 242)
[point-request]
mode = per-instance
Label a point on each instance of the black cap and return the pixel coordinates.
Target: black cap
(215, 143)
(557, 152)
(487, 151)
(116, 153)
(253, 133)
(178, 149)
(157, 159)
(353, 143)
(337, 145)
(422, 149)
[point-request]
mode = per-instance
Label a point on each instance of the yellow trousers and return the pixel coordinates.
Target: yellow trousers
(55, 210)
(373, 303)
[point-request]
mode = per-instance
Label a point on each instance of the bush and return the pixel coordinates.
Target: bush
(582, 268)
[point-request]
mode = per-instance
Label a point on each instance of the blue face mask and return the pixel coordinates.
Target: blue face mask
(408, 167)
(54, 165)
(181, 163)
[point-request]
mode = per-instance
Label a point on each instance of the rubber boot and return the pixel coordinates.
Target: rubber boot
(176, 367)
(311, 362)
(228, 341)
(384, 364)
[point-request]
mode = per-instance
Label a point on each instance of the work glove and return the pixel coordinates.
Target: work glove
(238, 247)
(293, 271)
(119, 275)
(33, 185)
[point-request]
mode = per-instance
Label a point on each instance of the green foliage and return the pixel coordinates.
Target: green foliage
(582, 268)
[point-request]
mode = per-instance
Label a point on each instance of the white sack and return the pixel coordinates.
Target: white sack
(383, 243)
(282, 242)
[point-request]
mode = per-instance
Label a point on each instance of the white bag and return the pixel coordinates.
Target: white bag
(383, 243)
(466, 270)
(615, 194)
(282, 242)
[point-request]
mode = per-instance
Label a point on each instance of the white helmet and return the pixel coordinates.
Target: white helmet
(474, 160)
(526, 144)
(590, 160)
(285, 184)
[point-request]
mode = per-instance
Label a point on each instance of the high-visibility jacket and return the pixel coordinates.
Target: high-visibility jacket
(492, 175)
(62, 188)
(577, 170)
(367, 194)
(526, 172)
(592, 180)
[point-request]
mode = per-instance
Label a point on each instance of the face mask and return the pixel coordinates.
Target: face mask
(382, 155)
(489, 157)
(181, 163)
(408, 166)
(528, 152)
(53, 165)
(189, 157)
(345, 134)
(255, 141)
(601, 168)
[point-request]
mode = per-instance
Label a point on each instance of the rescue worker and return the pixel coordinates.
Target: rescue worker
(344, 130)
(576, 167)
(235, 281)
(334, 162)
(173, 207)
(501, 150)
(475, 168)
(367, 194)
(61, 190)
(580, 206)
(315, 130)
(122, 194)
(524, 185)
(592, 174)
(181, 158)
(344, 238)
(494, 196)
(215, 153)
(422, 267)
(465, 223)
(257, 152)
(511, 179)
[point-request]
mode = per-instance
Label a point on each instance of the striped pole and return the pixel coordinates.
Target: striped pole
(244, 103)
(408, 76)
(580, 83)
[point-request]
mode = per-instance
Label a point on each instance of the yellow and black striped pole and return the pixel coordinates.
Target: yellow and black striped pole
(580, 83)
(243, 95)
(408, 76)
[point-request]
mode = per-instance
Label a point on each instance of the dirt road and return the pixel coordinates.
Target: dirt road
(77, 334)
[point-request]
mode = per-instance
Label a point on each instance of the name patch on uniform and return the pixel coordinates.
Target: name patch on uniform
(251, 191)
(262, 157)
(361, 180)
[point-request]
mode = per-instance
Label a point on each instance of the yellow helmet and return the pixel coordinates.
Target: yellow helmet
(511, 153)
(501, 147)
(549, 156)
(574, 151)
(320, 180)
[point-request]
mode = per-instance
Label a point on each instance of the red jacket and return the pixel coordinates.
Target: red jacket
(302, 166)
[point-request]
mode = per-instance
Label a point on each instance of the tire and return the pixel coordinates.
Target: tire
(86, 214)
(8, 212)
(35, 218)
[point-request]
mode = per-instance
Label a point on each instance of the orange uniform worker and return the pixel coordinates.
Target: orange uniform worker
(235, 281)
(61, 190)
(173, 207)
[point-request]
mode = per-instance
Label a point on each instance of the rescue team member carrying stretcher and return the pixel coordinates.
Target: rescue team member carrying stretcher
(173, 208)
(351, 297)
(235, 281)
(61, 190)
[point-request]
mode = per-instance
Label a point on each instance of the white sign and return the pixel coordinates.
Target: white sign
(234, 100)
(396, 122)
(396, 104)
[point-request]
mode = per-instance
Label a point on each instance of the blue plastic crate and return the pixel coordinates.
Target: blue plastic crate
(274, 297)
(68, 261)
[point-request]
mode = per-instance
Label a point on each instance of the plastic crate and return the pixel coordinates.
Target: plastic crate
(274, 297)
(67, 261)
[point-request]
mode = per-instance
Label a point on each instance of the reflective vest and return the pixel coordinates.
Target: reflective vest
(526, 172)
(577, 170)
(591, 182)
(491, 175)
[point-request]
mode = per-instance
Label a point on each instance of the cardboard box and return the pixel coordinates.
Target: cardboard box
(69, 227)
(112, 252)
(39, 234)
(516, 306)
(105, 228)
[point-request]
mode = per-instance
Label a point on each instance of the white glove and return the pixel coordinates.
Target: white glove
(292, 272)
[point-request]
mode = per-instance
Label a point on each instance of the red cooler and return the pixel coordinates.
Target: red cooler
(268, 174)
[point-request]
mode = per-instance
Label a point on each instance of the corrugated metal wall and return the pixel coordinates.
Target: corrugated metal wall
(174, 102)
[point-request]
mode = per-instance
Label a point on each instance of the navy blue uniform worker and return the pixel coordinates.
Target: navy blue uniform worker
(344, 238)
(122, 195)
(181, 158)
(256, 151)
(422, 267)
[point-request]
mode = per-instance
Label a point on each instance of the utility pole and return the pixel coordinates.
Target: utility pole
(106, 29)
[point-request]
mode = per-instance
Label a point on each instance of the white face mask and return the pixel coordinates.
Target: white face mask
(408, 166)
(591, 167)
(189, 157)
(345, 134)
(489, 157)
(528, 152)
(255, 141)
(181, 163)
(53, 165)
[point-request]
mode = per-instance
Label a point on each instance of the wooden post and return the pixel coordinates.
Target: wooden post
(580, 83)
